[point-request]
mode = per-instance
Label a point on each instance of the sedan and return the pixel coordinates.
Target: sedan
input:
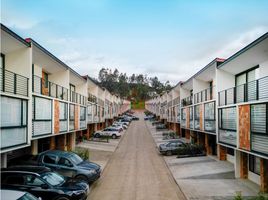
(111, 132)
(17, 195)
(171, 147)
(42, 182)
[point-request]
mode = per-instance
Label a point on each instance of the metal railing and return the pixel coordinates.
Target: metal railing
(251, 91)
(187, 101)
(50, 89)
(11, 82)
(92, 98)
(77, 98)
(204, 95)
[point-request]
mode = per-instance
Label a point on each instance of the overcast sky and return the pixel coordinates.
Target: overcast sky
(171, 39)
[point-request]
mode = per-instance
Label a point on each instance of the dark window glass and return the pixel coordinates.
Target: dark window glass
(49, 159)
(45, 79)
(65, 162)
(230, 151)
(32, 180)
(254, 164)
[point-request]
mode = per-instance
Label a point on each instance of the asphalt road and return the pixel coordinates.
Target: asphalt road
(136, 171)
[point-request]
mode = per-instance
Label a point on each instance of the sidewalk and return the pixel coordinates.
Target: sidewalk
(100, 152)
(205, 178)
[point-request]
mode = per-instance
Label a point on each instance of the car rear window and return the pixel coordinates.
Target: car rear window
(49, 159)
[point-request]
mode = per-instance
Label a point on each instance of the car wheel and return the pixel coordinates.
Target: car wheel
(81, 178)
(114, 136)
(97, 135)
(169, 153)
(61, 198)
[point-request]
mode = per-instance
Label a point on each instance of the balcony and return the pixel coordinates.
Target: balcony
(13, 83)
(204, 95)
(77, 98)
(251, 91)
(187, 101)
(92, 98)
(50, 89)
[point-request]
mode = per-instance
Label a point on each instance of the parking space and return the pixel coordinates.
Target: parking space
(205, 178)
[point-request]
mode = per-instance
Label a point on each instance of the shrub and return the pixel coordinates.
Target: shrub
(83, 153)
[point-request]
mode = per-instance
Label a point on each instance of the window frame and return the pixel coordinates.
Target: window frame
(206, 119)
(245, 72)
(49, 155)
(252, 164)
(220, 121)
(258, 133)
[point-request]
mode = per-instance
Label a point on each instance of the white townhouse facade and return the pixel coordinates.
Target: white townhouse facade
(224, 107)
(45, 104)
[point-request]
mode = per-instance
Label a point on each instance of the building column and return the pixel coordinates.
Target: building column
(52, 143)
(207, 147)
(264, 175)
(71, 141)
(222, 155)
(88, 131)
(34, 147)
(243, 165)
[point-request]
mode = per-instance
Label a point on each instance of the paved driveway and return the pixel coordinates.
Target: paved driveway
(136, 171)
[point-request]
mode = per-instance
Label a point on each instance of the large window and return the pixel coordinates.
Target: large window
(247, 76)
(254, 164)
(71, 116)
(82, 113)
(63, 117)
(227, 118)
(210, 117)
(258, 119)
(42, 116)
(13, 121)
(197, 117)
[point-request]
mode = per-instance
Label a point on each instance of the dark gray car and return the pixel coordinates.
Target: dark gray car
(70, 164)
(171, 147)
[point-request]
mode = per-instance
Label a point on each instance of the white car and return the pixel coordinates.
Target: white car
(119, 125)
(110, 131)
(120, 122)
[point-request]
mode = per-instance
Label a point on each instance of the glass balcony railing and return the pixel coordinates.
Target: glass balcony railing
(251, 91)
(13, 83)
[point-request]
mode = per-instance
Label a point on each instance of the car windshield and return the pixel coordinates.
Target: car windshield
(53, 178)
(75, 159)
(27, 196)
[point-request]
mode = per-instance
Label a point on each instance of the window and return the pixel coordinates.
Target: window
(210, 111)
(197, 112)
(258, 118)
(254, 164)
(89, 110)
(49, 159)
(247, 76)
(71, 112)
(63, 111)
(32, 180)
(191, 113)
(65, 162)
(183, 116)
(82, 113)
(42, 108)
(227, 118)
(72, 88)
(12, 179)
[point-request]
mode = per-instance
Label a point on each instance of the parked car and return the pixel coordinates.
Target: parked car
(117, 128)
(119, 125)
(171, 147)
(135, 118)
(126, 124)
(160, 126)
(111, 132)
(42, 182)
(17, 195)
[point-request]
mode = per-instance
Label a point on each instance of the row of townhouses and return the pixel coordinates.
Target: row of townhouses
(45, 104)
(224, 107)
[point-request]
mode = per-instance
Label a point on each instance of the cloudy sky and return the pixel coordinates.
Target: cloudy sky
(171, 39)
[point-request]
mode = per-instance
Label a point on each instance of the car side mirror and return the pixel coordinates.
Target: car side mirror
(44, 186)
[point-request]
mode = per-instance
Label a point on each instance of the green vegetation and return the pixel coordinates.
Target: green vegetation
(261, 196)
(136, 88)
(138, 105)
(82, 152)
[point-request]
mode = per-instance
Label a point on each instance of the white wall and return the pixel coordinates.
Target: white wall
(263, 69)
(224, 80)
(61, 78)
(38, 70)
(184, 93)
(199, 85)
(19, 62)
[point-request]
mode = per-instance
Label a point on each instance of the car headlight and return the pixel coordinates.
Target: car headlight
(76, 193)
(92, 171)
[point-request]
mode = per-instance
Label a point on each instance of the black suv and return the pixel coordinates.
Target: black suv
(42, 182)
